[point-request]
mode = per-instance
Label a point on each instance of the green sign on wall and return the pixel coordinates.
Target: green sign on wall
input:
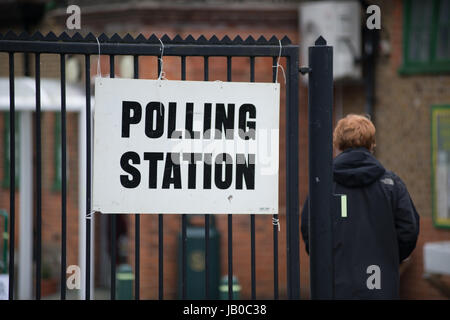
(440, 164)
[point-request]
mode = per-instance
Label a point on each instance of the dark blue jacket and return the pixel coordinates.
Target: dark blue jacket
(381, 227)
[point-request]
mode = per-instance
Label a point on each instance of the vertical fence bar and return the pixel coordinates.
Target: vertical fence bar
(113, 256)
(275, 216)
(183, 257)
(230, 257)
(87, 65)
(292, 205)
(12, 176)
(207, 219)
(137, 220)
(160, 257)
(275, 259)
(320, 169)
(160, 235)
(207, 223)
(253, 255)
(113, 216)
(183, 218)
(137, 252)
(230, 220)
(252, 216)
(38, 176)
(64, 179)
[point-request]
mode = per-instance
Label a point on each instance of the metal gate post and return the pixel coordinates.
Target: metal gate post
(292, 202)
(320, 169)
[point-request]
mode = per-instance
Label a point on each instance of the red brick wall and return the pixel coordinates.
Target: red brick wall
(413, 283)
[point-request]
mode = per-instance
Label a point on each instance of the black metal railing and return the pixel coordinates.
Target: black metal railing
(64, 45)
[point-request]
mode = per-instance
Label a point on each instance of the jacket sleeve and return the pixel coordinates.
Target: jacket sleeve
(305, 224)
(407, 220)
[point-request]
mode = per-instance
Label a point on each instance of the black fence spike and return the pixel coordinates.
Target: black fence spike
(238, 40)
(166, 39)
(51, 37)
(286, 40)
(10, 35)
(140, 38)
(153, 39)
(64, 36)
(24, 36)
(77, 37)
(115, 38)
(177, 39)
(90, 37)
(37, 36)
(103, 38)
(129, 38)
(273, 40)
(202, 40)
(261, 40)
(189, 39)
(225, 40)
(214, 40)
(249, 40)
(320, 41)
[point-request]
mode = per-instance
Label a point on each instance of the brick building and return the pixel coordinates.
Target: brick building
(404, 95)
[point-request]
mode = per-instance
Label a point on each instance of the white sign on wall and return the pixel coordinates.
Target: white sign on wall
(185, 147)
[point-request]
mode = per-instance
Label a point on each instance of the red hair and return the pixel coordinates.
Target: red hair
(354, 131)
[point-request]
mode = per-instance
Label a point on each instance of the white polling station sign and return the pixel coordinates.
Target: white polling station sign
(185, 147)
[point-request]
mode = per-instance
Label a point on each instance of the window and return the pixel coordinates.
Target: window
(426, 37)
(440, 165)
(6, 150)
(57, 156)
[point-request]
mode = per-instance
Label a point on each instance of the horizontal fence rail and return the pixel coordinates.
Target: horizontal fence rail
(77, 44)
(89, 45)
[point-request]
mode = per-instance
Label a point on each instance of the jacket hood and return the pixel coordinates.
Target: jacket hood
(356, 168)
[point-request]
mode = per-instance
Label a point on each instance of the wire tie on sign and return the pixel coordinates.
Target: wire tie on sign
(279, 65)
(276, 222)
(89, 216)
(162, 74)
(220, 82)
(99, 69)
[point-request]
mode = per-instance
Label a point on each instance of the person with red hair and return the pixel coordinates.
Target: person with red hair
(380, 227)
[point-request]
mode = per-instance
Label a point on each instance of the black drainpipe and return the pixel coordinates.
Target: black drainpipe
(370, 40)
